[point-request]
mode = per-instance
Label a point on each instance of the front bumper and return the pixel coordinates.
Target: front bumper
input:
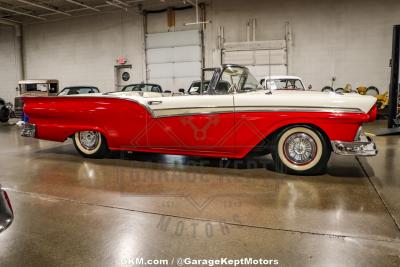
(28, 130)
(364, 146)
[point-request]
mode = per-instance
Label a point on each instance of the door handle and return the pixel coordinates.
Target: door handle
(154, 102)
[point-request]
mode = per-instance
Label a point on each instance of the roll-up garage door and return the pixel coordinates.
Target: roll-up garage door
(174, 59)
(263, 58)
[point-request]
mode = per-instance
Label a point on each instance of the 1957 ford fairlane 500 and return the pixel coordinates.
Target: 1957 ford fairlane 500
(299, 130)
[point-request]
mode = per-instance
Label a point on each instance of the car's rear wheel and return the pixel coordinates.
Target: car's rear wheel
(91, 144)
(301, 150)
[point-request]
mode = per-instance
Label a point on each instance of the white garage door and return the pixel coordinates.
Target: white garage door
(263, 58)
(174, 59)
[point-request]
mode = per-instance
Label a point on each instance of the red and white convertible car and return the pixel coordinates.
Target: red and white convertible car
(300, 130)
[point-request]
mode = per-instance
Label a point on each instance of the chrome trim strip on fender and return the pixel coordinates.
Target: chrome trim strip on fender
(172, 112)
(296, 109)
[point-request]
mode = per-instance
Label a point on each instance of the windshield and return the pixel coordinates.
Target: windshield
(236, 79)
(279, 84)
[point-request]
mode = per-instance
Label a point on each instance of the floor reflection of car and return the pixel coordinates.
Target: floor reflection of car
(79, 90)
(6, 212)
(282, 83)
(142, 87)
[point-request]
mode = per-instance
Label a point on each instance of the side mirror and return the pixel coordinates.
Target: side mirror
(309, 87)
(181, 90)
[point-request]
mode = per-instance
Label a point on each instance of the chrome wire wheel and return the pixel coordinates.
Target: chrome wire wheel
(300, 148)
(88, 142)
(89, 139)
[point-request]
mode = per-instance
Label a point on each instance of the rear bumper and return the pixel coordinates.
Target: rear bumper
(28, 130)
(365, 146)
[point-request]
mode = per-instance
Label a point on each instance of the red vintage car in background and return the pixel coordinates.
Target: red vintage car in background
(300, 130)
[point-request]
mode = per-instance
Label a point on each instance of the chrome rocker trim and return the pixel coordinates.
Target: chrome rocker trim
(365, 146)
(28, 130)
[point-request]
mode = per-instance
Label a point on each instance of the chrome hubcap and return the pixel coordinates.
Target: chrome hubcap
(89, 139)
(300, 148)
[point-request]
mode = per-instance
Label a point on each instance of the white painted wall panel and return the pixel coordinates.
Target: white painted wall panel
(164, 70)
(187, 69)
(84, 50)
(174, 54)
(172, 39)
(260, 71)
(174, 58)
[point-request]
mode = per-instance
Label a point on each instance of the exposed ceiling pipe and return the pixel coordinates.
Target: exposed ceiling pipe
(121, 3)
(82, 5)
(116, 5)
(44, 7)
(21, 13)
(11, 20)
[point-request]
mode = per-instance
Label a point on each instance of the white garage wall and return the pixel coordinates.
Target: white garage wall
(84, 50)
(347, 39)
(9, 74)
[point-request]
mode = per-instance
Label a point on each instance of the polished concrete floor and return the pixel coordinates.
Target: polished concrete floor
(71, 211)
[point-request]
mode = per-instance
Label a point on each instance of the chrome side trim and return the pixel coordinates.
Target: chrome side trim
(171, 112)
(364, 147)
(296, 109)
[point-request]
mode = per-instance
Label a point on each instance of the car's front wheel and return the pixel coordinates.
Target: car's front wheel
(91, 144)
(301, 150)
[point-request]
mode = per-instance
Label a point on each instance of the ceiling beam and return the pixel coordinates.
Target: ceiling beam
(121, 3)
(116, 5)
(44, 7)
(21, 13)
(82, 5)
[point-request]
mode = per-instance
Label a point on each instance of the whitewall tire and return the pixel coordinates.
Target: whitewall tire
(301, 150)
(90, 144)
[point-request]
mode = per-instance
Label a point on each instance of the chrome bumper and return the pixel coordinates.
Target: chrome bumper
(362, 147)
(28, 130)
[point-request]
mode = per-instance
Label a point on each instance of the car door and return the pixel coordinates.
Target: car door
(200, 123)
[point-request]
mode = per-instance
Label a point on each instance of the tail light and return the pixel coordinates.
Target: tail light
(372, 113)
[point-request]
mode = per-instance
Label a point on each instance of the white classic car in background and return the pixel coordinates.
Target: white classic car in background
(283, 82)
